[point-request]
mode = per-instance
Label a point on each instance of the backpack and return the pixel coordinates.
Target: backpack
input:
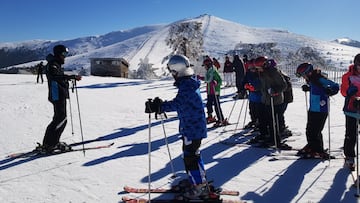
(288, 93)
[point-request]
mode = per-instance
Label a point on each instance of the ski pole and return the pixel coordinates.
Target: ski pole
(149, 151)
(306, 102)
(167, 145)
(237, 123)
(357, 156)
(273, 121)
(357, 100)
(232, 109)
(217, 103)
(78, 105)
(71, 117)
(328, 100)
(246, 108)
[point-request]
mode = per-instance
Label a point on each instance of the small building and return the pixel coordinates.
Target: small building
(116, 67)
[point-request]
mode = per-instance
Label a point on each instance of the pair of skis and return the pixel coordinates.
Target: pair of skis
(37, 153)
(128, 199)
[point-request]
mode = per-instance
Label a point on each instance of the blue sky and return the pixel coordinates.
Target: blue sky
(67, 19)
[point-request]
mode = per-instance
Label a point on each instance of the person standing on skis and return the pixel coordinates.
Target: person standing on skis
(272, 87)
(192, 122)
(58, 85)
(228, 72)
(320, 88)
(213, 87)
(252, 85)
(350, 90)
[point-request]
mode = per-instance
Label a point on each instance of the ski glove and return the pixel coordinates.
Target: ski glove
(305, 88)
(352, 90)
(249, 87)
(357, 103)
(154, 106)
(331, 90)
(272, 92)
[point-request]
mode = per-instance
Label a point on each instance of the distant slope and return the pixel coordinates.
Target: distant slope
(219, 37)
(347, 41)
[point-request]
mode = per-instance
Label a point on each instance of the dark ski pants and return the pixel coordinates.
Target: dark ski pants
(194, 164)
(57, 125)
(254, 111)
(314, 126)
(214, 100)
(267, 121)
(39, 76)
(350, 136)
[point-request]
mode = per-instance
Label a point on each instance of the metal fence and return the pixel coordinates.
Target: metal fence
(333, 74)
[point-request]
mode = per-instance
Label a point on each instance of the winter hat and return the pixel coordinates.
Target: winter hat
(357, 59)
(304, 69)
(260, 61)
(207, 62)
(60, 50)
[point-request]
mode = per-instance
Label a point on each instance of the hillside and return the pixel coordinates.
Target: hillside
(204, 35)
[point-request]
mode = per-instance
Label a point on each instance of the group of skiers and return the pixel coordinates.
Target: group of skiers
(269, 92)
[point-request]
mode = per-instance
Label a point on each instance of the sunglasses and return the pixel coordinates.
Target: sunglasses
(65, 54)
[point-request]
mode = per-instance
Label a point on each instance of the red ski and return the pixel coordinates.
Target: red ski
(170, 190)
(127, 199)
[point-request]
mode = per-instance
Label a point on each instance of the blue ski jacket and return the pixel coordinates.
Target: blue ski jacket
(320, 90)
(190, 108)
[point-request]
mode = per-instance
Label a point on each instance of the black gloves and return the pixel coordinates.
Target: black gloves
(154, 106)
(357, 103)
(331, 90)
(305, 88)
(352, 90)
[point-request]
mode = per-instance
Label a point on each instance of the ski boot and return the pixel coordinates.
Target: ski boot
(44, 149)
(210, 119)
(199, 192)
(182, 186)
(350, 163)
(63, 147)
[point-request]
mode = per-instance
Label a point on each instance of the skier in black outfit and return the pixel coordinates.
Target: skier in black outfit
(239, 77)
(58, 84)
(40, 68)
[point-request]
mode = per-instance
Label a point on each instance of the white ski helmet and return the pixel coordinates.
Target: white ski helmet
(179, 66)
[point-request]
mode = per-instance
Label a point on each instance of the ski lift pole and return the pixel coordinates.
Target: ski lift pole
(78, 105)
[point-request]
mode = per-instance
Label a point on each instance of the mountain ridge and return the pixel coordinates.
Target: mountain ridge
(219, 36)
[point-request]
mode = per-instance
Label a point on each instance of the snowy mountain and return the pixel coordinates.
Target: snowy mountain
(347, 41)
(202, 35)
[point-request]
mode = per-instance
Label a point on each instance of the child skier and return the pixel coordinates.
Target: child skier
(213, 85)
(350, 90)
(320, 89)
(189, 106)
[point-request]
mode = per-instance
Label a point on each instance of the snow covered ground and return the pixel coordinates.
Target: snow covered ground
(112, 110)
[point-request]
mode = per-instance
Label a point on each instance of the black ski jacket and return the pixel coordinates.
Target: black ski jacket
(58, 82)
